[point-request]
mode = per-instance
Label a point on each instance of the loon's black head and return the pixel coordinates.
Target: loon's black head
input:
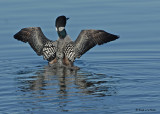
(60, 23)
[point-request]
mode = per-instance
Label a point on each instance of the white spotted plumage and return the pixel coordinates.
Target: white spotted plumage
(69, 51)
(49, 50)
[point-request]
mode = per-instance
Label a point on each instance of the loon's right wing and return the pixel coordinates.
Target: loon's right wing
(34, 36)
(86, 40)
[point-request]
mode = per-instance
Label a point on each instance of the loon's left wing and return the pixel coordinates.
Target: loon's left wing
(38, 41)
(34, 36)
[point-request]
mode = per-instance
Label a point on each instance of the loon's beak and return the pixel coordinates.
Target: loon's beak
(67, 18)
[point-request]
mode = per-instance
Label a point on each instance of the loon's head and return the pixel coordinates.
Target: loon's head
(60, 26)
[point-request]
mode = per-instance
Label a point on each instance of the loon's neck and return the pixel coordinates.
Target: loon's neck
(62, 34)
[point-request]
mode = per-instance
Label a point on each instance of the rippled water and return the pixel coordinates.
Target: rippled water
(120, 77)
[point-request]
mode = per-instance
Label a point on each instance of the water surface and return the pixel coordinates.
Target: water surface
(119, 77)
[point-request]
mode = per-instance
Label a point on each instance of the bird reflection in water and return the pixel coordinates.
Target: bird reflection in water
(62, 85)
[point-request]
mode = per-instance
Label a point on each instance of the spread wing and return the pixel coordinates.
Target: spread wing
(34, 36)
(90, 38)
(38, 41)
(86, 40)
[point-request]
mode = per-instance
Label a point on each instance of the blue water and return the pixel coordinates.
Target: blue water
(121, 77)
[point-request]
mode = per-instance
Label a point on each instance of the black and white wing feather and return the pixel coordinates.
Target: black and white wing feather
(38, 41)
(49, 50)
(86, 40)
(69, 51)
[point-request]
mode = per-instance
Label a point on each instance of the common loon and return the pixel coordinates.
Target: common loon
(63, 51)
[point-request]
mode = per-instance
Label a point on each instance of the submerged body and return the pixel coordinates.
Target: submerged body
(63, 51)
